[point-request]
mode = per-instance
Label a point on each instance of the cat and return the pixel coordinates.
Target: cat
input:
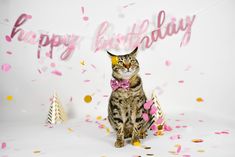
(126, 103)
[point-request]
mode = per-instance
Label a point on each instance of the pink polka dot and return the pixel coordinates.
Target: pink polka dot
(6, 67)
(145, 117)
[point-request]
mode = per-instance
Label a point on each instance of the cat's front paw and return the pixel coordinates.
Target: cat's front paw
(119, 143)
(135, 141)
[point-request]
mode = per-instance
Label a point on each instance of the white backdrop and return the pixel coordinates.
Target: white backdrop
(205, 65)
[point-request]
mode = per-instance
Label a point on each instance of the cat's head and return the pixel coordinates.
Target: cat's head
(124, 66)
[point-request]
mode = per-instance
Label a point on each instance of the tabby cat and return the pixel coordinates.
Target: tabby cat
(126, 103)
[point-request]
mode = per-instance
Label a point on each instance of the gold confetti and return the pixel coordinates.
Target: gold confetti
(200, 150)
(9, 98)
(114, 60)
(108, 130)
(87, 98)
(82, 62)
(36, 151)
(70, 129)
(200, 99)
(197, 140)
(137, 144)
(98, 117)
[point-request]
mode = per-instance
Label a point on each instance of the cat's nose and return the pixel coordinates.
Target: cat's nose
(127, 65)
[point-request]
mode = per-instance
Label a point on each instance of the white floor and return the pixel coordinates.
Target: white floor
(84, 137)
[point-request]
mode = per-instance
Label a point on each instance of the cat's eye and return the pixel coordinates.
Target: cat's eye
(132, 61)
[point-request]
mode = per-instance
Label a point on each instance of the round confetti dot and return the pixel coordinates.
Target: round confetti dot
(114, 60)
(199, 99)
(87, 98)
(9, 97)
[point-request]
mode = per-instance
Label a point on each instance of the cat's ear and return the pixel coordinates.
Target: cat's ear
(110, 54)
(134, 52)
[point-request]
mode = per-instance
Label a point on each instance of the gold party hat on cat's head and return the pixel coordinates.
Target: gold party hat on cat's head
(160, 119)
(56, 112)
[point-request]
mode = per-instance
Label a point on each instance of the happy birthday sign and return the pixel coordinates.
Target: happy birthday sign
(136, 37)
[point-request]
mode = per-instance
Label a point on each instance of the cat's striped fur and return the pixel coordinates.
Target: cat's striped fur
(126, 106)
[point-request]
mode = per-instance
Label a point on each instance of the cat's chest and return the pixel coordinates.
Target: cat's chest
(126, 94)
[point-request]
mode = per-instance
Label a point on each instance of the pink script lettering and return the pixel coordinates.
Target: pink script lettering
(68, 41)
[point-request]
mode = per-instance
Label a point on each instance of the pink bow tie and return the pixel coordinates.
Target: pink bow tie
(115, 84)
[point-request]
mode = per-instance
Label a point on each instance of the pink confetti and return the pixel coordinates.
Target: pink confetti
(224, 132)
(125, 6)
(9, 52)
(53, 65)
(39, 71)
(167, 63)
(221, 132)
(159, 120)
(4, 145)
(105, 96)
(83, 71)
(6, 67)
(201, 121)
(178, 149)
(167, 128)
(147, 73)
(56, 72)
(85, 18)
(87, 81)
(93, 66)
(48, 54)
(8, 38)
(148, 104)
(186, 156)
(145, 117)
(153, 127)
(88, 120)
(181, 81)
(101, 126)
(153, 110)
(184, 126)
(177, 126)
